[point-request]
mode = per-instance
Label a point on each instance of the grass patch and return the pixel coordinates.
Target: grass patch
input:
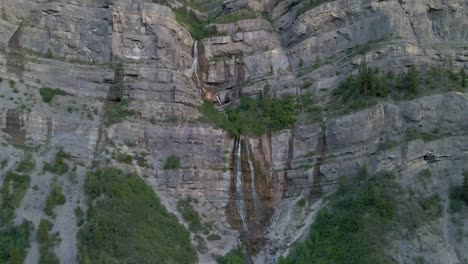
(172, 163)
(55, 198)
(59, 166)
(48, 94)
(126, 223)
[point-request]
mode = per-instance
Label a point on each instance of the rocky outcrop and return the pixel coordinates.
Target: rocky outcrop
(136, 52)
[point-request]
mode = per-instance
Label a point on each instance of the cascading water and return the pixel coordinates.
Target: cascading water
(240, 197)
(196, 65)
(252, 178)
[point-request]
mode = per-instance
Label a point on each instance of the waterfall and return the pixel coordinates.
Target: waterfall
(218, 100)
(195, 65)
(252, 178)
(240, 199)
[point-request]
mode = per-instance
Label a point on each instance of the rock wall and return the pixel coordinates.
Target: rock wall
(104, 51)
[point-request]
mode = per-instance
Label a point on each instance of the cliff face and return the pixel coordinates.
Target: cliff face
(108, 53)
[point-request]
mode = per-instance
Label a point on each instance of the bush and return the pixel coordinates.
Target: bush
(14, 241)
(126, 223)
(59, 166)
(56, 197)
(48, 94)
(214, 237)
(28, 164)
(172, 163)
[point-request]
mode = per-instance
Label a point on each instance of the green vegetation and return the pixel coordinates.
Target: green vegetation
(141, 160)
(28, 164)
(79, 215)
(48, 94)
(235, 256)
(198, 28)
(213, 237)
(56, 197)
(14, 241)
(253, 116)
(353, 226)
(12, 193)
(370, 86)
(117, 112)
(59, 166)
(122, 157)
(126, 223)
(189, 214)
(47, 243)
(172, 163)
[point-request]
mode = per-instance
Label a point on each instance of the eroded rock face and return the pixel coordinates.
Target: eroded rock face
(101, 51)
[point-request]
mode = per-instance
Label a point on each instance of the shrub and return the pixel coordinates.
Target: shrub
(12, 193)
(14, 241)
(127, 223)
(59, 166)
(172, 163)
(48, 94)
(56, 197)
(214, 237)
(198, 28)
(28, 164)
